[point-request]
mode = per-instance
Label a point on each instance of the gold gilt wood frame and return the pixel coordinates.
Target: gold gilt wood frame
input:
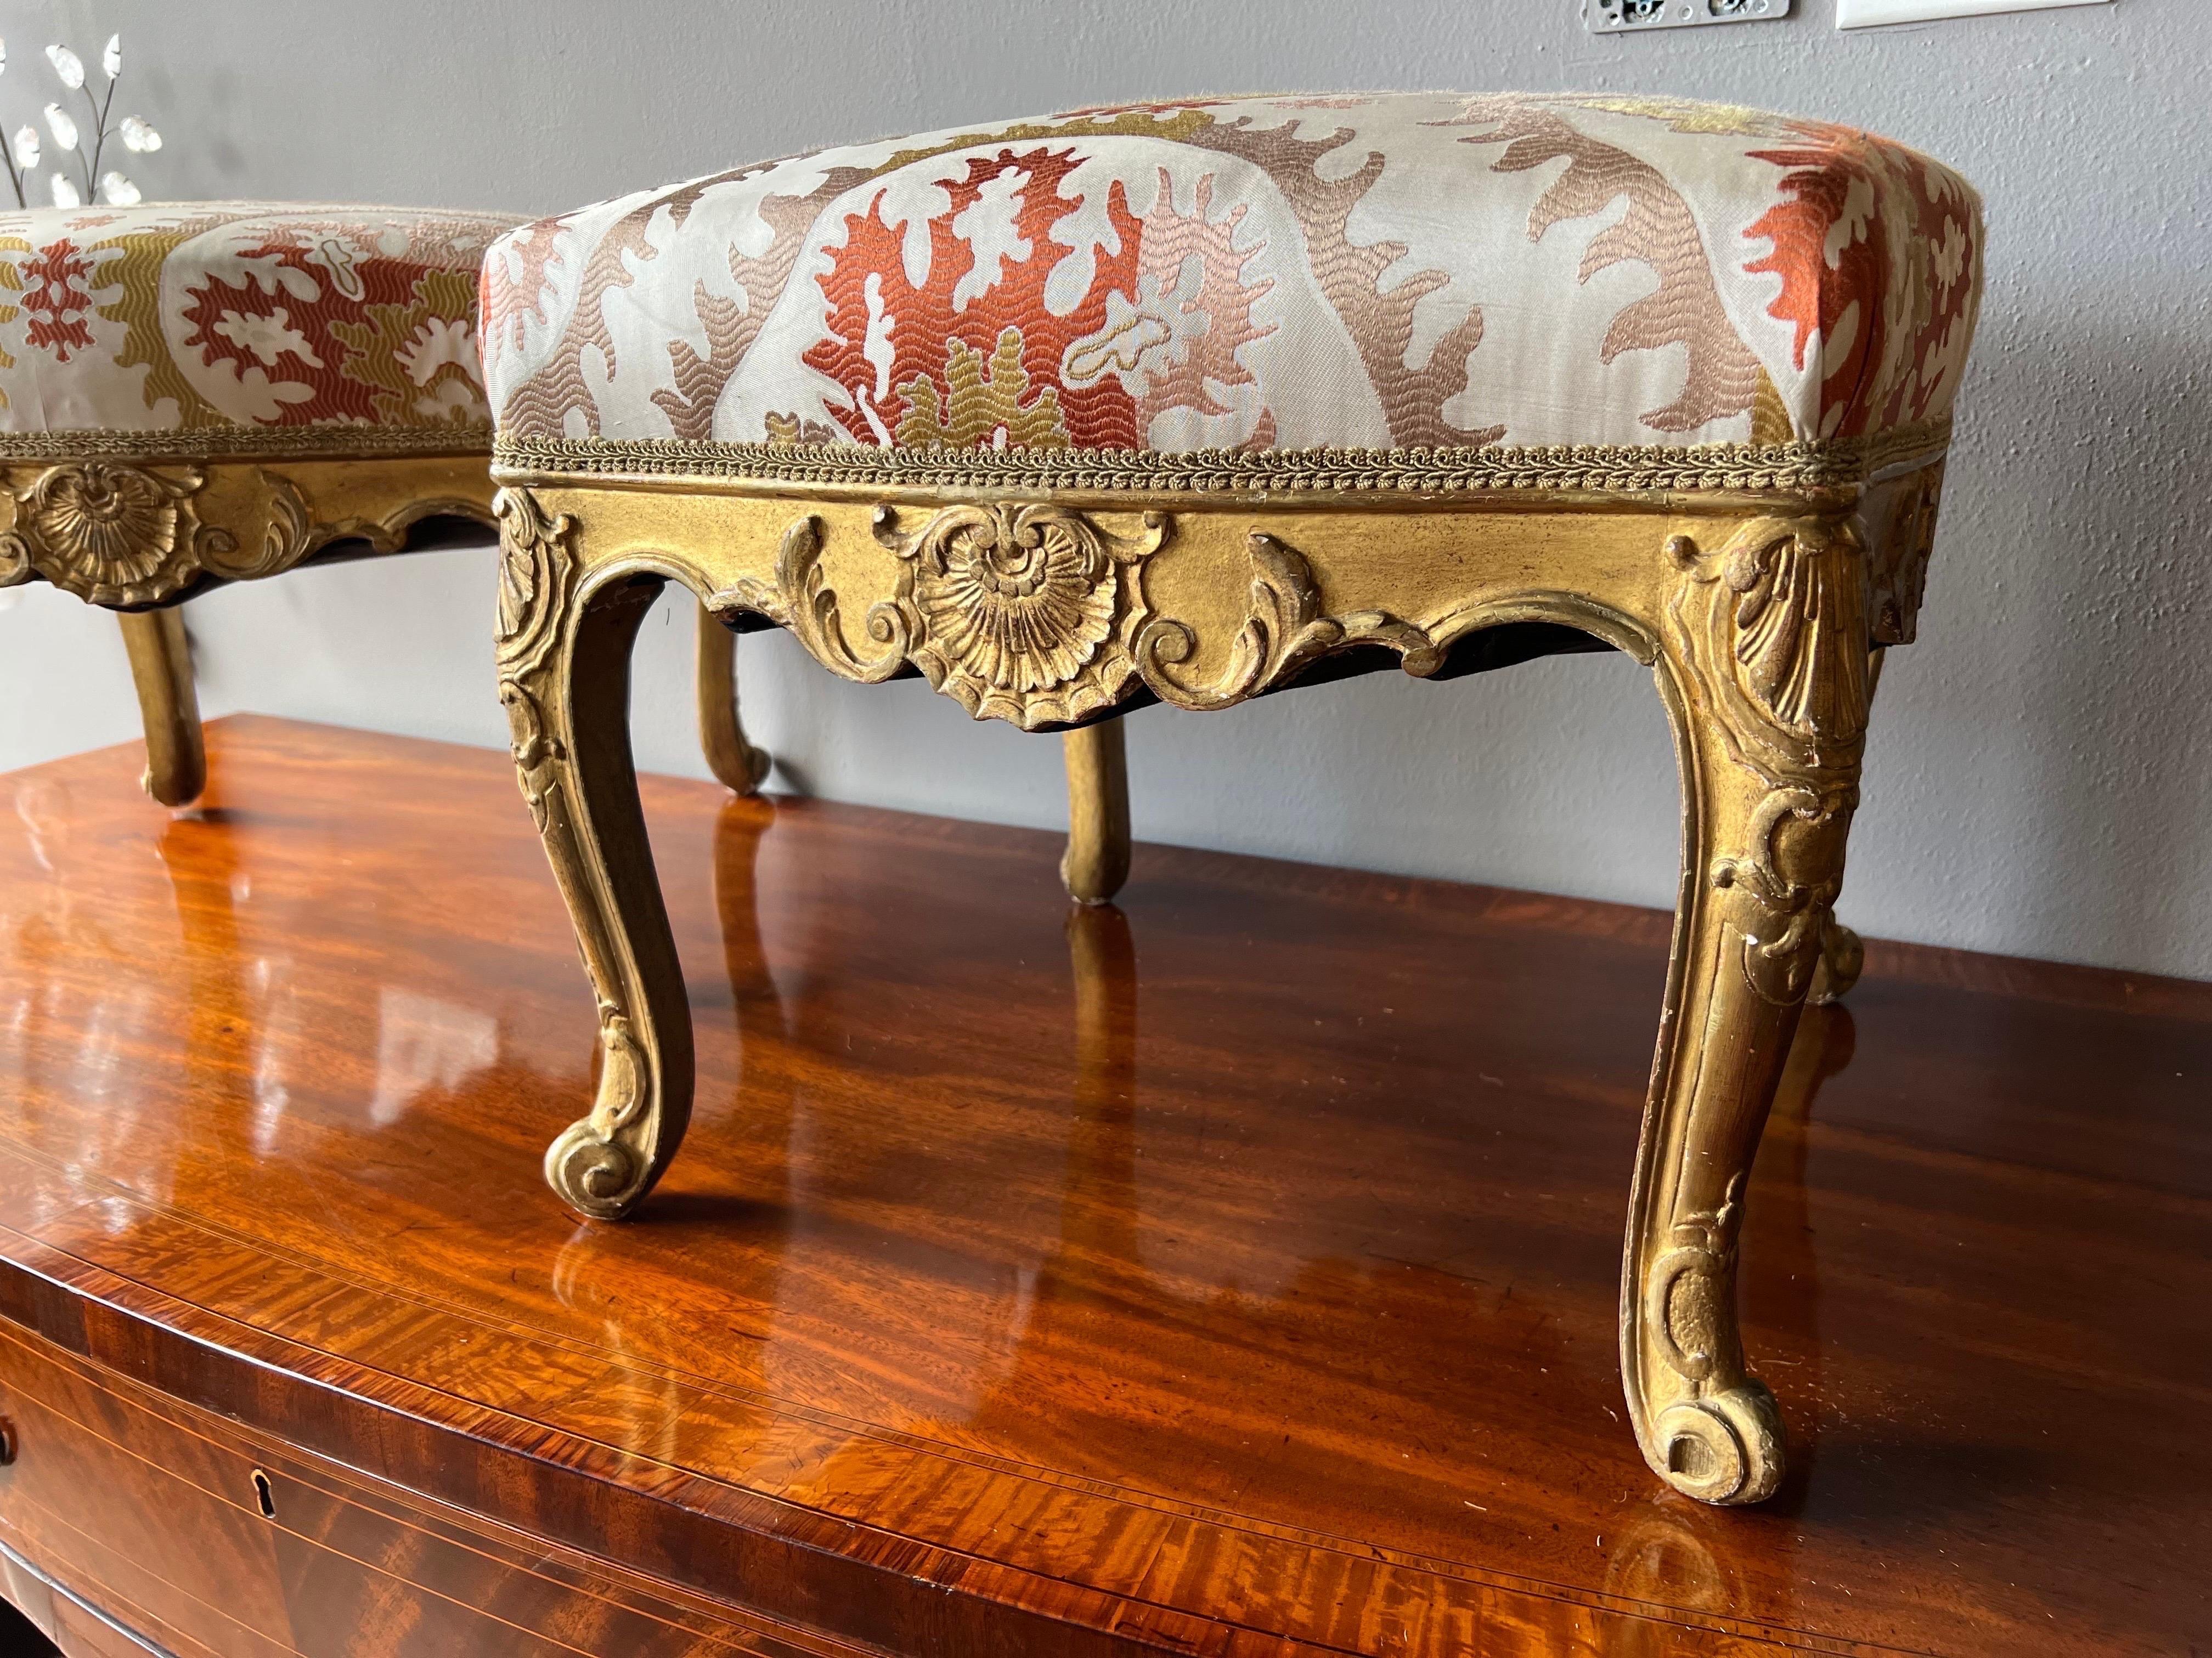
(139, 521)
(1051, 591)
(131, 533)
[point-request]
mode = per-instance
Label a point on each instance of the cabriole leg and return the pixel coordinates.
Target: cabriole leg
(740, 766)
(564, 654)
(1763, 664)
(168, 705)
(1843, 957)
(1096, 861)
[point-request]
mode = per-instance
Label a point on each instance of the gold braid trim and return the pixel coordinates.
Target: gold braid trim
(335, 442)
(1581, 466)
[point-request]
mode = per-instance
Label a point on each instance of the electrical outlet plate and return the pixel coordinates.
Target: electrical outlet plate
(1871, 14)
(1639, 16)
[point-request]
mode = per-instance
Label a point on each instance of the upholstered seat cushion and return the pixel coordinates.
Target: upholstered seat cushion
(1371, 272)
(206, 327)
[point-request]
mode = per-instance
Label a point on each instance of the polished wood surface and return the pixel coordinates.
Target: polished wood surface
(1014, 1295)
(1052, 607)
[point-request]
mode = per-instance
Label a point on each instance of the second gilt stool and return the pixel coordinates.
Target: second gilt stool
(195, 393)
(1191, 402)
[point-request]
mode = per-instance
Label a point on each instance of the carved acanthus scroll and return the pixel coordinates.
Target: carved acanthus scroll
(1286, 630)
(1899, 555)
(536, 574)
(1037, 614)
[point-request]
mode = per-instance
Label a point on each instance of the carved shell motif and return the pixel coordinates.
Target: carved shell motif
(1022, 611)
(1775, 623)
(1801, 638)
(1021, 599)
(109, 533)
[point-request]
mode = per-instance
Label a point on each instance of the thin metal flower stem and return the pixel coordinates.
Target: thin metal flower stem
(91, 164)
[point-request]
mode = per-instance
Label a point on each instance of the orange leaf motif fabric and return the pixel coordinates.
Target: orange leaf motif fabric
(199, 317)
(1397, 271)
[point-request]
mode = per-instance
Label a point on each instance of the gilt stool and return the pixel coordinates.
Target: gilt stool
(196, 393)
(1192, 402)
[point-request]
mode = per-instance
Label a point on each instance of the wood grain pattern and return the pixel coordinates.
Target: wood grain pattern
(1097, 1326)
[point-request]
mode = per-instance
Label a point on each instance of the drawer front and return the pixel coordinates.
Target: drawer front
(203, 1538)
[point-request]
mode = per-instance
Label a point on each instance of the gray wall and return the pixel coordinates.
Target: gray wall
(2039, 776)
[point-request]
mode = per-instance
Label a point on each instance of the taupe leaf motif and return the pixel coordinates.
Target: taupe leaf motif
(1657, 229)
(1377, 309)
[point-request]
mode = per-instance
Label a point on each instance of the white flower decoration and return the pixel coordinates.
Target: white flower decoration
(76, 152)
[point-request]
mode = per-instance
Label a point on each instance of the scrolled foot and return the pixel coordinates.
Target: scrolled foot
(602, 1166)
(1725, 1447)
(564, 642)
(757, 764)
(1765, 672)
(1843, 957)
(595, 1176)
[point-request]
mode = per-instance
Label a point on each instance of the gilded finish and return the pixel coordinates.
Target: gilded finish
(126, 531)
(1097, 860)
(563, 656)
(1764, 665)
(123, 534)
(1842, 954)
(168, 704)
(737, 764)
(1757, 611)
(1149, 1280)
(100, 520)
(1818, 463)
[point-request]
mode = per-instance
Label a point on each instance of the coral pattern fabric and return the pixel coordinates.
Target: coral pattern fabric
(207, 315)
(1403, 270)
